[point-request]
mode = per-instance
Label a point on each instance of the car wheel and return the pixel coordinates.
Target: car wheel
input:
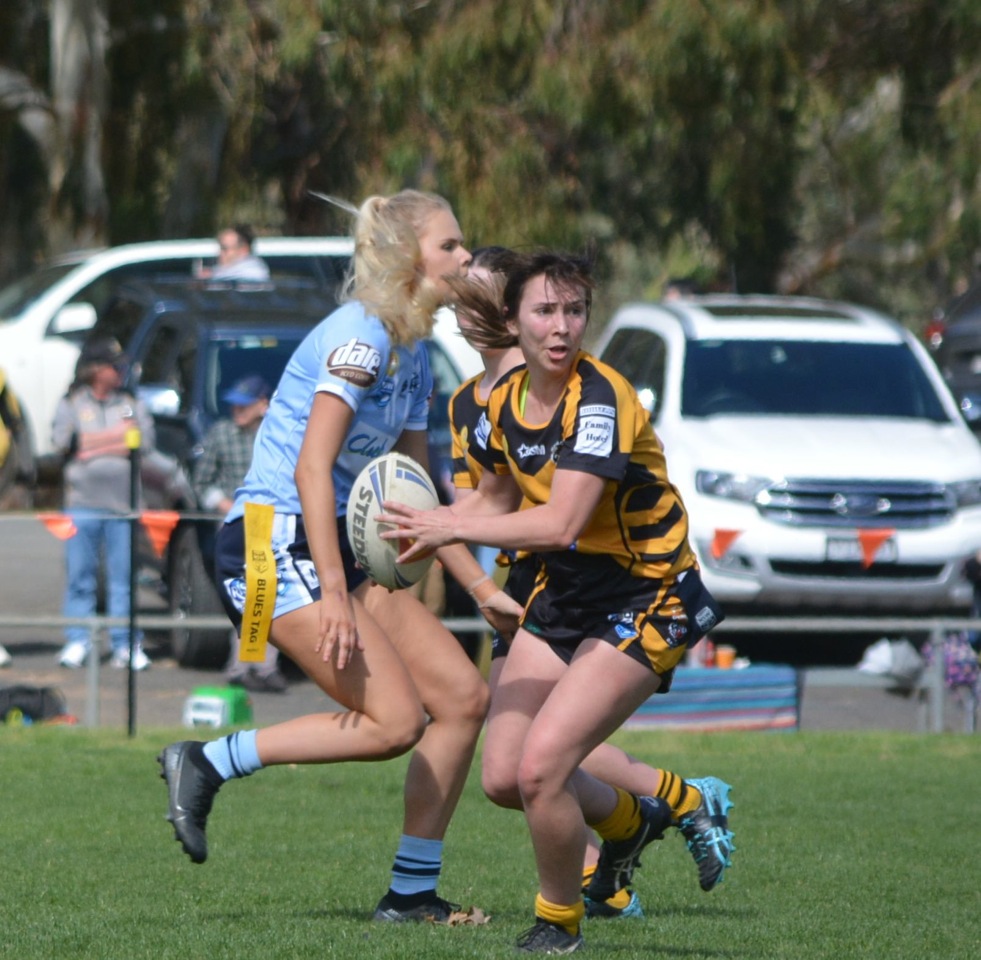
(192, 594)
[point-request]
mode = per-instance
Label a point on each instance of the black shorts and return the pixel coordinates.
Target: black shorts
(579, 596)
(520, 583)
(296, 579)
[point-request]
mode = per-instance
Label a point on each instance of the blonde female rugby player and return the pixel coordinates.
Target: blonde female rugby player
(358, 386)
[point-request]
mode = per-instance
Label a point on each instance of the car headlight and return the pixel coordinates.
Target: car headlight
(967, 493)
(731, 486)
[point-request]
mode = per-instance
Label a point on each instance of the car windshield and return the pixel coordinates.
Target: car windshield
(16, 297)
(801, 377)
(230, 359)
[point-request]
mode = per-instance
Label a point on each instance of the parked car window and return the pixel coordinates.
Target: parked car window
(100, 291)
(639, 356)
(121, 318)
(16, 297)
(158, 365)
(230, 359)
(327, 271)
(806, 377)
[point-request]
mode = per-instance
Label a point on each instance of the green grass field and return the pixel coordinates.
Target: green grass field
(849, 845)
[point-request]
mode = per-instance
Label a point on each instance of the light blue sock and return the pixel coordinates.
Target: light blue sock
(234, 755)
(417, 865)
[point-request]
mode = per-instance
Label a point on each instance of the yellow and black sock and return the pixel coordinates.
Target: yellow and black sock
(680, 796)
(624, 821)
(566, 916)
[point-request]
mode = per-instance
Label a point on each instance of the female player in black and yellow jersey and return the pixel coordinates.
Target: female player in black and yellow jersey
(617, 599)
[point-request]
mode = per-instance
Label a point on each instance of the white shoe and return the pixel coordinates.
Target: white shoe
(120, 659)
(5, 658)
(74, 655)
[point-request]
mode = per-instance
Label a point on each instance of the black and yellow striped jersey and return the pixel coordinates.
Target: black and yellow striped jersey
(465, 411)
(601, 428)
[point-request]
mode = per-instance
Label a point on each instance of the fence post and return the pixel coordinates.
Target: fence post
(133, 441)
(96, 630)
(935, 681)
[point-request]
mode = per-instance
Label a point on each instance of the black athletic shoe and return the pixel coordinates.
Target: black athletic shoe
(619, 858)
(548, 938)
(191, 790)
(436, 910)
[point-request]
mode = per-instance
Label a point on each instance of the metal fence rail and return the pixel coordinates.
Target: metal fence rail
(929, 689)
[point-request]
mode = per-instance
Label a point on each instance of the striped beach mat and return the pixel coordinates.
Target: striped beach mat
(758, 697)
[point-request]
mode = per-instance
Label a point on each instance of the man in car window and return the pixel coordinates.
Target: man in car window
(224, 461)
(236, 261)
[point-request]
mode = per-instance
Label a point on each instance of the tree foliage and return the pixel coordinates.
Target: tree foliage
(811, 146)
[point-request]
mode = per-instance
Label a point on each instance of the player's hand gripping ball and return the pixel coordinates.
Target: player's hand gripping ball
(396, 477)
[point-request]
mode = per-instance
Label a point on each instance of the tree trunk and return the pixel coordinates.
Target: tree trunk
(79, 86)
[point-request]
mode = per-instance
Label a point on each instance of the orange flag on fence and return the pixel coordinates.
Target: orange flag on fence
(871, 541)
(159, 525)
(58, 524)
(722, 541)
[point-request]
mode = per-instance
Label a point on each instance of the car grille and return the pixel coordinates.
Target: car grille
(856, 571)
(905, 505)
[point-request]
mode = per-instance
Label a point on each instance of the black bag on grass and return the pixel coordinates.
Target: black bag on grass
(33, 703)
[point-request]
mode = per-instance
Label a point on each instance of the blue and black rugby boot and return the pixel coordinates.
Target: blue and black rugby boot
(608, 909)
(706, 831)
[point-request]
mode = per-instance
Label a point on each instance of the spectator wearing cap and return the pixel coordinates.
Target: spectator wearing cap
(236, 261)
(90, 429)
(225, 459)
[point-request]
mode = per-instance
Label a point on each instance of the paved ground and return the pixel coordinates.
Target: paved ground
(161, 693)
(162, 690)
(31, 584)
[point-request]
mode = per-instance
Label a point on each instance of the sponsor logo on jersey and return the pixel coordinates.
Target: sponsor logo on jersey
(411, 385)
(625, 616)
(356, 362)
(677, 632)
(384, 393)
(367, 445)
(596, 427)
(235, 588)
(625, 631)
(525, 451)
(597, 410)
(482, 432)
(706, 619)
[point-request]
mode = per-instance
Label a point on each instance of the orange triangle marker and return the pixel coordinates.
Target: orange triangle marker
(722, 541)
(59, 525)
(159, 525)
(871, 541)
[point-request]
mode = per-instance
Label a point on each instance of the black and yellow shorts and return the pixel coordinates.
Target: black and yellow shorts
(521, 580)
(582, 596)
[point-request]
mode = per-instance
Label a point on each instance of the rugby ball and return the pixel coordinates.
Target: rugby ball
(393, 476)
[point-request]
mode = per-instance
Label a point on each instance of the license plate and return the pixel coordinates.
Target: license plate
(841, 550)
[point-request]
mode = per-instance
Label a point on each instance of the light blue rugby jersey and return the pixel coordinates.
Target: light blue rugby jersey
(349, 355)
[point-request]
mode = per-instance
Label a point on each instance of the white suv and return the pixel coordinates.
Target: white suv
(45, 316)
(823, 461)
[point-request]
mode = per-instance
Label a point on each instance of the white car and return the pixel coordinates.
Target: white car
(824, 463)
(45, 316)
